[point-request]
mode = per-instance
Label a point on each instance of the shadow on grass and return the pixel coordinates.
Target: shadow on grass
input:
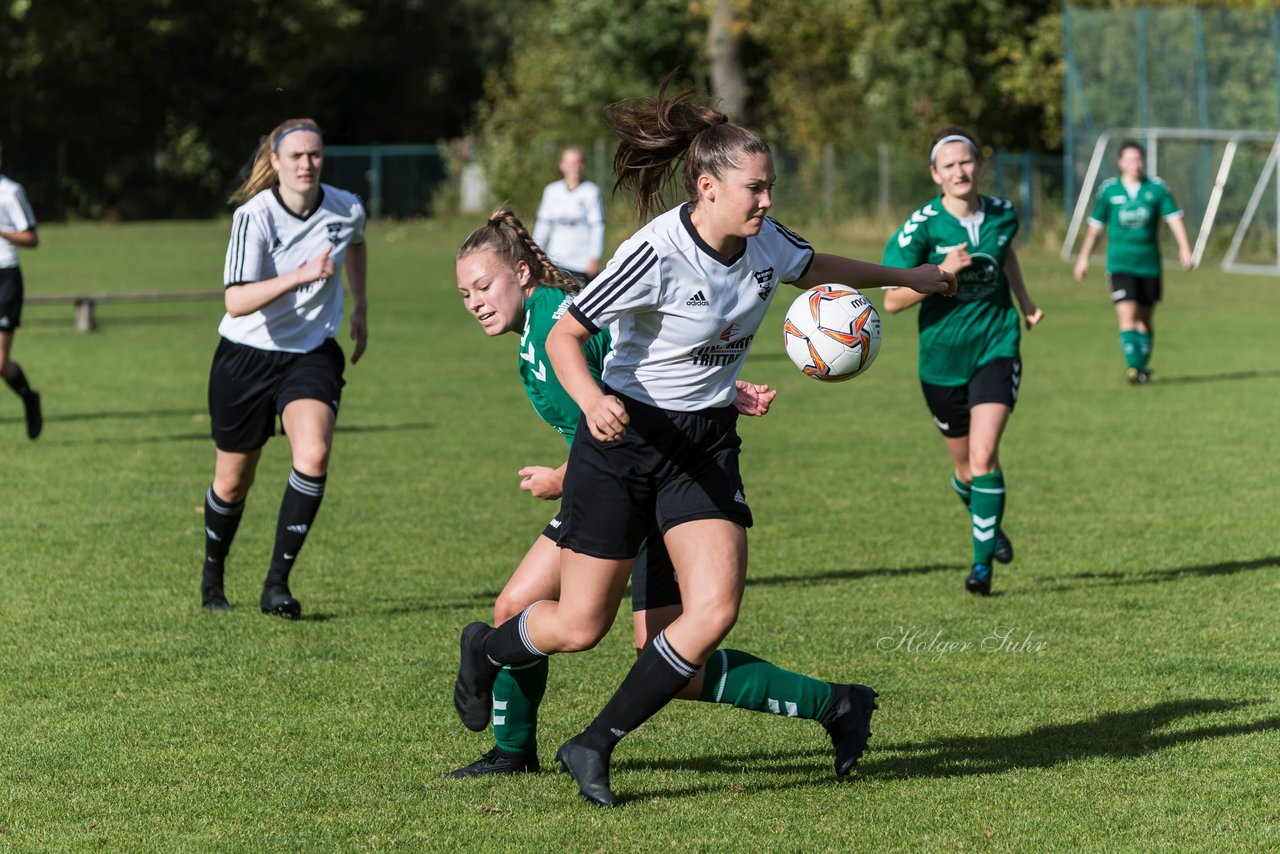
(424, 605)
(852, 574)
(1158, 576)
(1111, 735)
(55, 418)
(382, 428)
(1216, 378)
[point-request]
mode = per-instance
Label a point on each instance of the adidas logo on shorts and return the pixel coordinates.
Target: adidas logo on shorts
(698, 299)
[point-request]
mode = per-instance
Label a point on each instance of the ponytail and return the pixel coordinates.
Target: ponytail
(505, 236)
(654, 134)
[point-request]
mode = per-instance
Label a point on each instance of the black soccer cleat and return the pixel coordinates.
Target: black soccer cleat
(847, 719)
(498, 761)
(1004, 548)
(473, 690)
(589, 768)
(979, 580)
(279, 602)
(35, 418)
(213, 599)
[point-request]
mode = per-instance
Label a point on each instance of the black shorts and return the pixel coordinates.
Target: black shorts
(995, 382)
(653, 578)
(667, 468)
(249, 388)
(10, 298)
(1144, 290)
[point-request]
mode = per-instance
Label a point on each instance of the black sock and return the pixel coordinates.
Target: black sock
(221, 520)
(509, 644)
(298, 510)
(17, 380)
(654, 680)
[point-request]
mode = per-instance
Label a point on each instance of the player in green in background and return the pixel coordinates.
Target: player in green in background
(509, 285)
(970, 364)
(1130, 208)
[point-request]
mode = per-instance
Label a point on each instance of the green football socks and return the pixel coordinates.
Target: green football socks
(986, 508)
(1145, 343)
(516, 694)
(746, 682)
(1131, 345)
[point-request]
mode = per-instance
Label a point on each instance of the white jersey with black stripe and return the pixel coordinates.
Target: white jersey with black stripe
(15, 215)
(268, 240)
(683, 315)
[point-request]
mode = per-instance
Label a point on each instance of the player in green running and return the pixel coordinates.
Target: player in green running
(970, 366)
(509, 285)
(1130, 208)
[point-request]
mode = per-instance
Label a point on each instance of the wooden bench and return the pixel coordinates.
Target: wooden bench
(86, 303)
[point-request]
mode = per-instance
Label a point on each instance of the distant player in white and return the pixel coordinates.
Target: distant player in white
(17, 228)
(570, 220)
(658, 442)
(290, 239)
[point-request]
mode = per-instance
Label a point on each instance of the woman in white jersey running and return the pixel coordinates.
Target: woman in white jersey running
(291, 237)
(657, 443)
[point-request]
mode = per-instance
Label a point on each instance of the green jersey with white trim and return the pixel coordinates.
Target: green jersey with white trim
(1132, 220)
(552, 403)
(979, 324)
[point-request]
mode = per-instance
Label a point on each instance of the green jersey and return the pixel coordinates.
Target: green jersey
(541, 311)
(961, 333)
(1132, 220)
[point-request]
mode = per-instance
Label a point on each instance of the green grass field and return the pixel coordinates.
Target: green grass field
(1134, 706)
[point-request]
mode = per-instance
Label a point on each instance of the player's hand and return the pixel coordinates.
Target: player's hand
(1187, 259)
(319, 267)
(541, 482)
(1082, 269)
(957, 259)
(359, 334)
(1033, 315)
(931, 279)
(753, 399)
(607, 418)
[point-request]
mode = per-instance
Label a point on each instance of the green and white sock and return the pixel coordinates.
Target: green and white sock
(1131, 347)
(741, 680)
(517, 692)
(986, 509)
(1146, 341)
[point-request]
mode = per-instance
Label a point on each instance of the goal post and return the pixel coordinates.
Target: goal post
(1232, 141)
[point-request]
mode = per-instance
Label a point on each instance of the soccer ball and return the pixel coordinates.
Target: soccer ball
(832, 333)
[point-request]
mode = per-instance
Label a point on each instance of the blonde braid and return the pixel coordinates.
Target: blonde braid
(543, 270)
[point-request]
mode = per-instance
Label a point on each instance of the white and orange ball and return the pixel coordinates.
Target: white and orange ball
(832, 333)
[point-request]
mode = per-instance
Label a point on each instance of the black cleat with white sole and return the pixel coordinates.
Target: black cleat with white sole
(847, 719)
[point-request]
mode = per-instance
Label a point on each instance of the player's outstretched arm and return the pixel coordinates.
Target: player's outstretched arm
(605, 414)
(1031, 312)
(28, 239)
(925, 279)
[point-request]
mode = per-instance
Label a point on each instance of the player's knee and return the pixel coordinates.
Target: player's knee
(232, 488)
(311, 458)
(982, 461)
(715, 619)
(506, 607)
(581, 638)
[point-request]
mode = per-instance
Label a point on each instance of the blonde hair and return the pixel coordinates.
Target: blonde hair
(656, 134)
(505, 236)
(261, 175)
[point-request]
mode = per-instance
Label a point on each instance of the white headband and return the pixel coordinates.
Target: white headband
(955, 137)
